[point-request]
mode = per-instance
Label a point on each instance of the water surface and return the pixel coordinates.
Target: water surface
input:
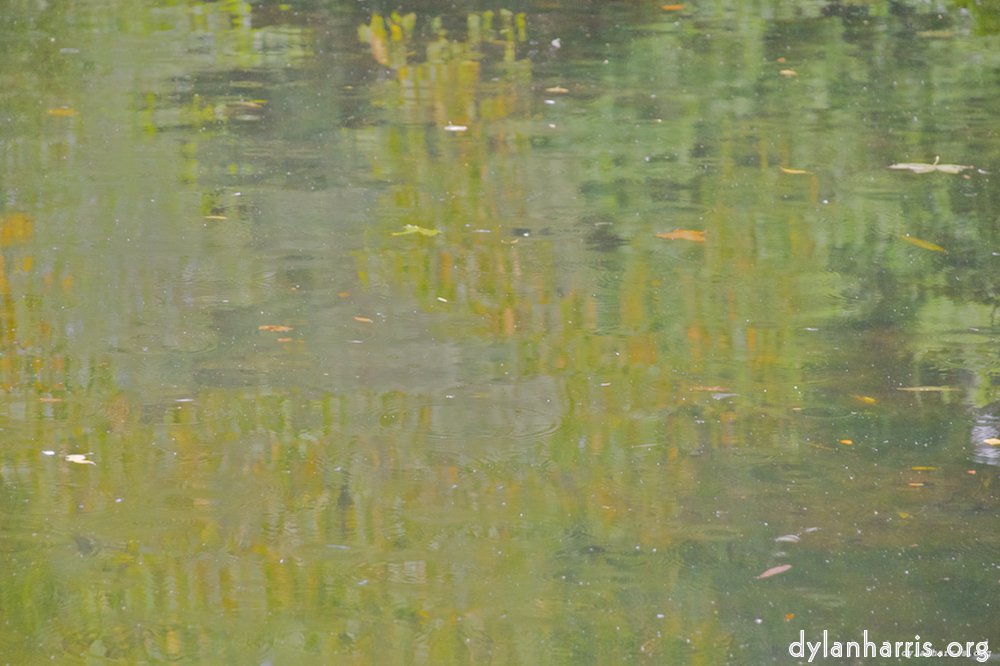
(249, 415)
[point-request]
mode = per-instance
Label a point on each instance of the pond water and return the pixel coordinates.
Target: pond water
(332, 335)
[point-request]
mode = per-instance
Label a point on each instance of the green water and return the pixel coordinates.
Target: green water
(541, 435)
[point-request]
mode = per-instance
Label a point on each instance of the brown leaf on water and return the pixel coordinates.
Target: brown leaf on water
(684, 234)
(365, 320)
(275, 327)
(343, 294)
(796, 172)
(673, 8)
(924, 244)
(775, 570)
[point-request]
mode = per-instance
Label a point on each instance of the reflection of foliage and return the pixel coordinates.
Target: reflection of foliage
(391, 38)
(987, 13)
(588, 496)
(389, 46)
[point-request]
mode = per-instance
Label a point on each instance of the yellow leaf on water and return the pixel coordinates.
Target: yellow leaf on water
(416, 229)
(924, 244)
(926, 468)
(796, 172)
(992, 441)
(364, 320)
(775, 570)
(557, 89)
(684, 234)
(864, 398)
(846, 441)
(673, 8)
(788, 72)
(62, 111)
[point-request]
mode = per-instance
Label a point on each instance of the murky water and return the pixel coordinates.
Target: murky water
(329, 336)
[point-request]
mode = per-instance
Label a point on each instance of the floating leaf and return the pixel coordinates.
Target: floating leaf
(455, 128)
(62, 111)
(788, 72)
(216, 217)
(713, 389)
(924, 244)
(50, 400)
(284, 339)
(274, 327)
(992, 441)
(775, 570)
(922, 468)
(796, 172)
(343, 294)
(684, 234)
(556, 89)
(365, 320)
(416, 229)
(864, 398)
(920, 167)
(846, 441)
(791, 538)
(80, 459)
(673, 8)
(925, 388)
(789, 616)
